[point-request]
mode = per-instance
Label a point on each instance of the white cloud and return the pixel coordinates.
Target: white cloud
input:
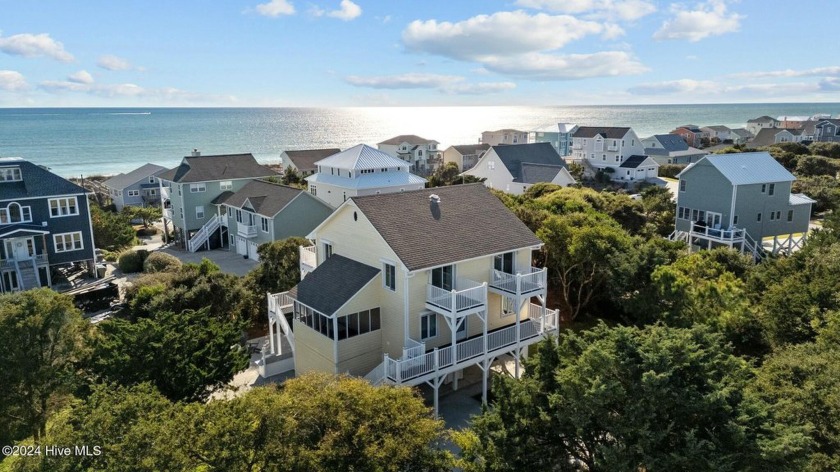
(81, 77)
(831, 71)
(829, 84)
(718, 89)
(35, 45)
(347, 11)
(449, 84)
(110, 62)
(539, 66)
(710, 18)
(499, 34)
(12, 81)
(625, 10)
(674, 86)
(129, 90)
(275, 8)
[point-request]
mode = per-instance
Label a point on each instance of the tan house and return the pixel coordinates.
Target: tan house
(412, 288)
(303, 161)
(504, 136)
(464, 156)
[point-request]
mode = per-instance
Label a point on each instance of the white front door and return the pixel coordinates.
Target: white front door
(24, 248)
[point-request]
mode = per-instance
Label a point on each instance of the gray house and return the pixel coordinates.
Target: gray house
(671, 149)
(196, 188)
(743, 201)
(827, 130)
(44, 223)
(303, 161)
(136, 188)
(262, 212)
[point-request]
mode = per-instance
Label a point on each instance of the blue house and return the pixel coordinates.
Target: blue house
(44, 223)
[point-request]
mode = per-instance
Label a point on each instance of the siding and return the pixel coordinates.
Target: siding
(313, 351)
(706, 189)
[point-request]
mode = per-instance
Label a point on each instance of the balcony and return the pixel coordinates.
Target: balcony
(732, 235)
(246, 231)
(308, 260)
(39, 260)
(466, 298)
(415, 370)
(612, 148)
(577, 146)
(532, 282)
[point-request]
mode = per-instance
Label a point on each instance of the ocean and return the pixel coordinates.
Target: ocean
(91, 141)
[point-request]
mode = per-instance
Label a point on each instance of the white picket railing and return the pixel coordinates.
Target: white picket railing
(246, 231)
(308, 259)
(732, 234)
(407, 369)
(200, 237)
(167, 213)
(468, 294)
(533, 280)
(276, 303)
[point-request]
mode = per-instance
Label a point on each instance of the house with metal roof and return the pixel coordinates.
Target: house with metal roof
(465, 156)
(414, 288)
(139, 187)
(671, 149)
(361, 170)
(743, 201)
(603, 150)
(196, 188)
(513, 169)
(303, 161)
(421, 154)
(261, 212)
(44, 223)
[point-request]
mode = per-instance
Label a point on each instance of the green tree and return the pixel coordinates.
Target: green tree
(148, 214)
(579, 249)
(111, 231)
(290, 176)
(42, 344)
(659, 210)
(810, 166)
(825, 149)
(278, 271)
(186, 354)
(624, 398)
(577, 170)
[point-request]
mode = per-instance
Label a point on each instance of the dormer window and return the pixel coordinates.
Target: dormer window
(10, 174)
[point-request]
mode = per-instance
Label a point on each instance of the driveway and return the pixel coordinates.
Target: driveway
(228, 261)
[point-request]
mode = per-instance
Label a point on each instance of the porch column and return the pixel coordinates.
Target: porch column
(271, 331)
(518, 322)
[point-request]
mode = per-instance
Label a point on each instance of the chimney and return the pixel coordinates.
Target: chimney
(195, 153)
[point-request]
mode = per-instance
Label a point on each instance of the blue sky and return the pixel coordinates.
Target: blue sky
(416, 52)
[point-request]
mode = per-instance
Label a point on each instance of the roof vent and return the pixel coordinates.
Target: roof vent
(195, 153)
(434, 198)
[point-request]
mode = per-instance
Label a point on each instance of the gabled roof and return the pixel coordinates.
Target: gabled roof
(266, 198)
(536, 173)
(361, 157)
(762, 119)
(633, 161)
(609, 132)
(746, 168)
(408, 138)
(305, 159)
(504, 130)
(121, 181)
(37, 182)
(692, 128)
(671, 142)
(220, 167)
(513, 157)
(566, 127)
(767, 136)
(24, 229)
(467, 149)
(742, 132)
(719, 128)
(468, 222)
(333, 283)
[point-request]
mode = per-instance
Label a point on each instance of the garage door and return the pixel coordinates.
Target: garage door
(241, 246)
(252, 252)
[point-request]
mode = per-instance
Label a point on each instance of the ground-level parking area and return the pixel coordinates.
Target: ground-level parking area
(228, 261)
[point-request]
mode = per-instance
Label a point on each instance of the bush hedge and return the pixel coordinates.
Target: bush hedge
(132, 261)
(161, 262)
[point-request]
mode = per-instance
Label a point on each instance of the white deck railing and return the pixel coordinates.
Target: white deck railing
(224, 219)
(246, 231)
(405, 370)
(732, 234)
(202, 234)
(276, 303)
(308, 258)
(468, 294)
(167, 213)
(531, 281)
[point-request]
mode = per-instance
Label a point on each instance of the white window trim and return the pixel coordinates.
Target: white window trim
(199, 207)
(385, 264)
(198, 188)
(226, 185)
(59, 200)
(133, 193)
(431, 336)
(64, 242)
(265, 227)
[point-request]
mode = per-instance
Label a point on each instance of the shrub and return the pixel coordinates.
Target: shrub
(161, 262)
(670, 170)
(132, 261)
(150, 231)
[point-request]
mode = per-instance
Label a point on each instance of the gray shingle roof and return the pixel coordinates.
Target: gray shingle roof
(408, 138)
(609, 132)
(719, 128)
(536, 173)
(742, 132)
(767, 136)
(333, 283)
(747, 168)
(468, 222)
(467, 149)
(762, 119)
(220, 167)
(143, 172)
(37, 182)
(671, 142)
(266, 198)
(633, 161)
(305, 159)
(513, 156)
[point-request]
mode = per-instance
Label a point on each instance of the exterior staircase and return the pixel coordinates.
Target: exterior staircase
(27, 274)
(203, 234)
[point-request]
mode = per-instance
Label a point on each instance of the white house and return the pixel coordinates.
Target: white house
(421, 154)
(514, 169)
(757, 124)
(607, 149)
(360, 170)
(504, 136)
